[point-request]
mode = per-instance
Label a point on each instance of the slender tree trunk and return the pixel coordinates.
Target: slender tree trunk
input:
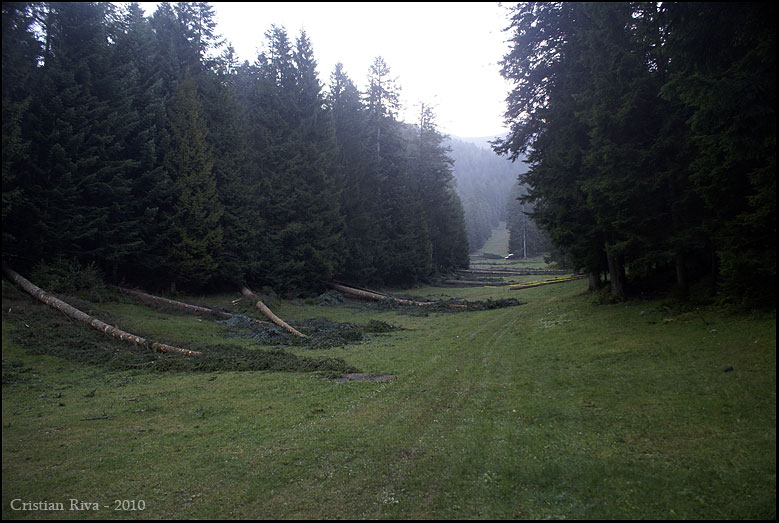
(681, 275)
(95, 323)
(714, 270)
(359, 292)
(677, 224)
(616, 275)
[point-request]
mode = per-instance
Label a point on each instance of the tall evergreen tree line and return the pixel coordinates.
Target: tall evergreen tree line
(650, 132)
(142, 145)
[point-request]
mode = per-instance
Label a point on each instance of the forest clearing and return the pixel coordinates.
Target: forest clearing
(274, 286)
(557, 407)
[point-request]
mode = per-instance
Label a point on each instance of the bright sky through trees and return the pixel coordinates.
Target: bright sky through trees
(443, 54)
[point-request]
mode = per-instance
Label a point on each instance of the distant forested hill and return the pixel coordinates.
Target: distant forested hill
(484, 182)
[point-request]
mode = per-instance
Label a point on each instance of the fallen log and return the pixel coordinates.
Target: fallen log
(511, 272)
(186, 306)
(372, 295)
(528, 285)
(265, 310)
(76, 314)
(174, 303)
(475, 283)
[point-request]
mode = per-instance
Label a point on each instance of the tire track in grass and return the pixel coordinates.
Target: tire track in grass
(482, 438)
(466, 430)
(399, 430)
(401, 448)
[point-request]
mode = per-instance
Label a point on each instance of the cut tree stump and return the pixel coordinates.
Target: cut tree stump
(269, 313)
(95, 323)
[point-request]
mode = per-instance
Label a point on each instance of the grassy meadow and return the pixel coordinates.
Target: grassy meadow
(557, 408)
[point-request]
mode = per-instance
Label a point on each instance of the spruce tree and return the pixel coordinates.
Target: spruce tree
(139, 68)
(403, 244)
(443, 210)
(21, 51)
(722, 70)
(546, 64)
(357, 183)
(197, 242)
(77, 175)
(295, 147)
(236, 188)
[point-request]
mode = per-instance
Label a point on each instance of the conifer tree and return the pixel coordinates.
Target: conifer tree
(545, 63)
(198, 25)
(77, 176)
(443, 210)
(20, 56)
(300, 206)
(197, 211)
(357, 183)
(722, 71)
(403, 242)
(228, 138)
(140, 84)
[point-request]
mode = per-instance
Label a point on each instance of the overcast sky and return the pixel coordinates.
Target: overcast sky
(443, 54)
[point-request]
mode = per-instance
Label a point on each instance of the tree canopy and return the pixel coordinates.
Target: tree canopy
(650, 134)
(140, 145)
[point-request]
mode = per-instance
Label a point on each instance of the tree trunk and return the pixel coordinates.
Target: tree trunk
(616, 275)
(511, 272)
(714, 288)
(76, 314)
(530, 285)
(186, 306)
(265, 310)
(174, 303)
(681, 276)
(594, 281)
(371, 295)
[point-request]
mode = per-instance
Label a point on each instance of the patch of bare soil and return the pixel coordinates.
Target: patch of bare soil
(361, 376)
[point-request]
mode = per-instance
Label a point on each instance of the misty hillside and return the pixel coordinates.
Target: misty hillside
(484, 181)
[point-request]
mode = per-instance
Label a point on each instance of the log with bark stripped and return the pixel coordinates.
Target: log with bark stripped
(529, 285)
(476, 283)
(186, 306)
(76, 314)
(265, 310)
(372, 295)
(511, 272)
(174, 303)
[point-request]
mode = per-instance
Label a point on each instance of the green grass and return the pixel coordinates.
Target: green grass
(498, 243)
(558, 408)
